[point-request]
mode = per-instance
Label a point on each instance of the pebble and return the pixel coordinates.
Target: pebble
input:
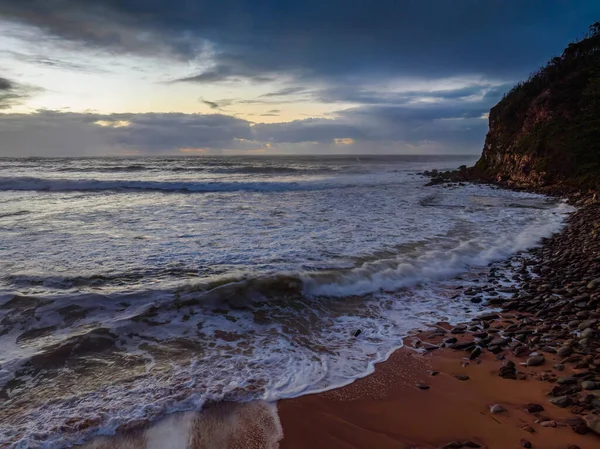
(533, 408)
(536, 360)
(476, 352)
(588, 333)
(462, 377)
(497, 408)
(592, 421)
(586, 324)
(561, 401)
(564, 351)
(590, 385)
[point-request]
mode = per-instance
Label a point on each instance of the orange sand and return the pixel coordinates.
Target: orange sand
(387, 410)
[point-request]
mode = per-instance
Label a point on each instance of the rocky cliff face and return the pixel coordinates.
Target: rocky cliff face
(545, 133)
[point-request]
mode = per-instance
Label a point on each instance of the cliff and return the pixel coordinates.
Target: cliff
(545, 133)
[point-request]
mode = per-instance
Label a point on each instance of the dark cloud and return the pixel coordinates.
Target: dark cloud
(12, 93)
(5, 85)
(337, 39)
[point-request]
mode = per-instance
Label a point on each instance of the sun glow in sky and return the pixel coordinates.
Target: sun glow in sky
(130, 77)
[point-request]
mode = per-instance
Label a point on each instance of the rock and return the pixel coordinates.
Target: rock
(533, 408)
(536, 360)
(592, 421)
(462, 377)
(586, 324)
(528, 429)
(573, 446)
(561, 401)
(497, 408)
(476, 352)
(423, 387)
(559, 367)
(495, 349)
(489, 317)
(564, 351)
(451, 340)
(498, 341)
(521, 350)
(588, 333)
(526, 443)
(548, 423)
(590, 385)
(570, 380)
(462, 346)
(508, 371)
(357, 332)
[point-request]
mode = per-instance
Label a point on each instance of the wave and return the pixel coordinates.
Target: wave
(68, 185)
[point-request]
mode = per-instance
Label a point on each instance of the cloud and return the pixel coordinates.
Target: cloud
(285, 92)
(210, 104)
(48, 133)
(223, 73)
(52, 133)
(12, 93)
(320, 40)
(54, 63)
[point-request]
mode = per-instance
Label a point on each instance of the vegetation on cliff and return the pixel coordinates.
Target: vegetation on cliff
(546, 130)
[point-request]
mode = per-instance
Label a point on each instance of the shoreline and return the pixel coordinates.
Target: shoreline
(401, 405)
(533, 369)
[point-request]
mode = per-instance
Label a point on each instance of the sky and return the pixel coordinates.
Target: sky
(151, 77)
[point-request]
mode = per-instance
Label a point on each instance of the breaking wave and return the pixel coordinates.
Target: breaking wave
(66, 185)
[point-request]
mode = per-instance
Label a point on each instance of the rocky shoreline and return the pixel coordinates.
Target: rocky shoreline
(551, 323)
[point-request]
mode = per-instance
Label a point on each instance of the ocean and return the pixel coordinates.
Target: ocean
(131, 288)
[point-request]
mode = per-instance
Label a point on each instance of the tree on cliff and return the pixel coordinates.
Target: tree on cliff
(546, 130)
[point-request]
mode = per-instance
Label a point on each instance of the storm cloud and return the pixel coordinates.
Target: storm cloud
(312, 38)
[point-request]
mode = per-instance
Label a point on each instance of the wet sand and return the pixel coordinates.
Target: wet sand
(389, 410)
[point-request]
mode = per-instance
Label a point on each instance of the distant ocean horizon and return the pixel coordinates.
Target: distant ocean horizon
(134, 287)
